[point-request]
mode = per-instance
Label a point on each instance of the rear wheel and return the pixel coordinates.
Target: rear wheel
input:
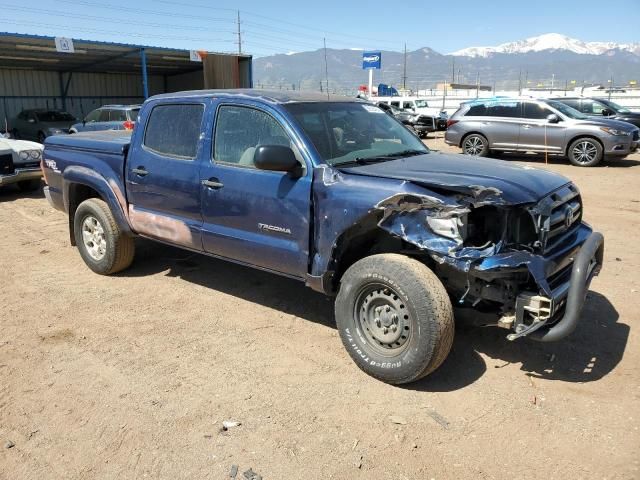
(476, 145)
(103, 246)
(585, 152)
(394, 317)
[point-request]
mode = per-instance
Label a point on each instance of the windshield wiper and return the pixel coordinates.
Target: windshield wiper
(381, 158)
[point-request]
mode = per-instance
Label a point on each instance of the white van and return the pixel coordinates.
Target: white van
(416, 105)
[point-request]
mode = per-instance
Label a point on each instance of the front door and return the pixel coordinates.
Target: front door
(163, 181)
(537, 134)
(258, 217)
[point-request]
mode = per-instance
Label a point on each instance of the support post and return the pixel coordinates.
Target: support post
(63, 96)
(370, 82)
(145, 84)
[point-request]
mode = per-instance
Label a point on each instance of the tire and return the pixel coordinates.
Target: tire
(29, 185)
(394, 290)
(41, 137)
(475, 145)
(585, 152)
(102, 245)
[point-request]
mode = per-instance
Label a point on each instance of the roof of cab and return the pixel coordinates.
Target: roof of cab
(271, 96)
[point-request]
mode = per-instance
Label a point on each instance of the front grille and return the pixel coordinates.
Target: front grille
(558, 213)
(6, 164)
(29, 165)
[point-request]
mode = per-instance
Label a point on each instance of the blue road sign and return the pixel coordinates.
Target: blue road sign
(371, 60)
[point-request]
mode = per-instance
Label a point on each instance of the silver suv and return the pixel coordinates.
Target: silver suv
(529, 125)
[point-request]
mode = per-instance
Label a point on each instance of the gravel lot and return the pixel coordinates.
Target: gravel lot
(131, 376)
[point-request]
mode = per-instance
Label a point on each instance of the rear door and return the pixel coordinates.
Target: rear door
(163, 173)
(537, 134)
(501, 123)
(254, 216)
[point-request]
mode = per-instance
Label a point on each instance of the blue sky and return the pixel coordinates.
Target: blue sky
(285, 26)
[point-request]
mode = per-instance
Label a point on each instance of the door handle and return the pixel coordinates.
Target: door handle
(140, 171)
(212, 183)
(526, 127)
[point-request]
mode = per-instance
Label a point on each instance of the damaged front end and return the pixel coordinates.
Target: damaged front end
(530, 265)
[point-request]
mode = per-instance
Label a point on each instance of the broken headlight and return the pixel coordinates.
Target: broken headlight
(454, 228)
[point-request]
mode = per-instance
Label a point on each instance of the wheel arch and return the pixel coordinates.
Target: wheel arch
(578, 137)
(474, 132)
(81, 184)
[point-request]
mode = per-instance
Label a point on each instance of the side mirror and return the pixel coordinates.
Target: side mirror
(277, 158)
(607, 112)
(553, 118)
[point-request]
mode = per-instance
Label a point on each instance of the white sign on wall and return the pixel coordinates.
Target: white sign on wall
(64, 45)
(194, 56)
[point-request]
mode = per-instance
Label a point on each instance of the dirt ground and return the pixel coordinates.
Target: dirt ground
(131, 376)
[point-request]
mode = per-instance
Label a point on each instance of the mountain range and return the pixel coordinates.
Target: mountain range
(532, 61)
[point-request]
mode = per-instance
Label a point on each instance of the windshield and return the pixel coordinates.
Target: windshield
(422, 104)
(53, 116)
(346, 132)
(567, 110)
(614, 106)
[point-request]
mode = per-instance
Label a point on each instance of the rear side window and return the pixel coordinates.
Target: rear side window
(174, 130)
(395, 104)
(104, 115)
(408, 105)
(572, 103)
(477, 110)
(535, 111)
(133, 114)
(503, 109)
(118, 116)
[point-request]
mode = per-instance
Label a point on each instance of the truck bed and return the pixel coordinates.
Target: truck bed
(107, 141)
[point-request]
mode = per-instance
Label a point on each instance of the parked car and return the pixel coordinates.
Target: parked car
(342, 197)
(108, 117)
(602, 107)
(38, 124)
(534, 125)
(20, 163)
(420, 124)
(435, 116)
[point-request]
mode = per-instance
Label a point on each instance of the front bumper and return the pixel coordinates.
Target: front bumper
(19, 175)
(551, 318)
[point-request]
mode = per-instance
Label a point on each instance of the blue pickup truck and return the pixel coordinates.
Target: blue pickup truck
(341, 196)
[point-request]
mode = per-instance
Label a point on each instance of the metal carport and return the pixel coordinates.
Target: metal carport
(33, 74)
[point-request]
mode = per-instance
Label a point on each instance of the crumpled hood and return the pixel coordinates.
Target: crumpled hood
(7, 144)
(469, 175)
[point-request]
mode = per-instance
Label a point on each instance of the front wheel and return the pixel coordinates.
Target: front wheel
(394, 317)
(41, 137)
(475, 145)
(103, 246)
(585, 152)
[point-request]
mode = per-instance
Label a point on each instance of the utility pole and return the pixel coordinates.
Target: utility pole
(239, 36)
(520, 82)
(404, 71)
(453, 69)
(477, 84)
(326, 67)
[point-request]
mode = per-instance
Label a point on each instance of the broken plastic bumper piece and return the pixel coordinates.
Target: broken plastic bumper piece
(551, 318)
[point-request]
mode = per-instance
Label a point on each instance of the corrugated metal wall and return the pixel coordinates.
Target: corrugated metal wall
(87, 91)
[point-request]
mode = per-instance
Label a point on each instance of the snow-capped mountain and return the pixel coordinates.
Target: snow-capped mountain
(549, 41)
